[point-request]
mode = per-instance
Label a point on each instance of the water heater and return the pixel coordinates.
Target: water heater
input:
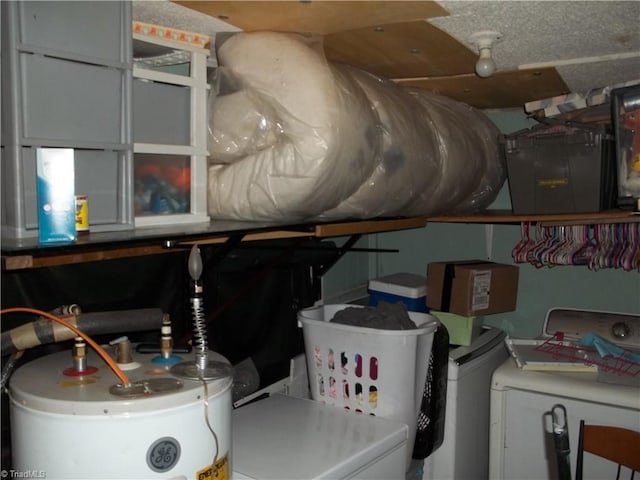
(164, 425)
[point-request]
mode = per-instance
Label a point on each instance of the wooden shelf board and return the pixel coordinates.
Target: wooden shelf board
(122, 247)
(368, 226)
(506, 216)
(19, 262)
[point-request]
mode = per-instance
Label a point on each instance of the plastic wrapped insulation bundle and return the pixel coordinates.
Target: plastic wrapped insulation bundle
(324, 145)
(481, 152)
(293, 137)
(408, 146)
(495, 167)
(472, 170)
(241, 124)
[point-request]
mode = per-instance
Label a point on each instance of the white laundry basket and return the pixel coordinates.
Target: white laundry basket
(367, 370)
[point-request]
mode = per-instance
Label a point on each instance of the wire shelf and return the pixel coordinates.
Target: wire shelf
(558, 348)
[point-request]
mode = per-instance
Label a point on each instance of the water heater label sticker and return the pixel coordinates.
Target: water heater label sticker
(481, 289)
(219, 472)
(163, 454)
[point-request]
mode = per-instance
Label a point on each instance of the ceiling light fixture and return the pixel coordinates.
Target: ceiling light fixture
(484, 41)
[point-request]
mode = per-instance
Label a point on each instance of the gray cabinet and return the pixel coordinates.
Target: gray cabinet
(67, 82)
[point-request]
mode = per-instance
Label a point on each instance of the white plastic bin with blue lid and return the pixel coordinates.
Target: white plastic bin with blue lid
(408, 288)
(367, 370)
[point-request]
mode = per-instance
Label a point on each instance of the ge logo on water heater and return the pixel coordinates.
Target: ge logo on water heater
(163, 454)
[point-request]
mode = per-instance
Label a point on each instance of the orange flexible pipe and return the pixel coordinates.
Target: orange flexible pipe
(99, 350)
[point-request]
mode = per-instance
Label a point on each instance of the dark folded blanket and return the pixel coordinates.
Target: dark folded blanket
(384, 316)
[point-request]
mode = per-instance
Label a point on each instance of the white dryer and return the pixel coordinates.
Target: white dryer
(521, 439)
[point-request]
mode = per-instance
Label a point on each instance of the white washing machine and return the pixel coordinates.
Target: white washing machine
(464, 452)
(521, 439)
(288, 438)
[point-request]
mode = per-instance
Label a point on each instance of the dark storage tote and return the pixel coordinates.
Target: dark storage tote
(67, 83)
(563, 168)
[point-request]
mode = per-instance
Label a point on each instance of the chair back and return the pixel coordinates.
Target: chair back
(617, 444)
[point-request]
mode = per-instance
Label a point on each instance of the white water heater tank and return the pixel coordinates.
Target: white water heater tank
(66, 426)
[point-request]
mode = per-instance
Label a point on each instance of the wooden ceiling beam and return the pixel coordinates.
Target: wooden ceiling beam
(318, 17)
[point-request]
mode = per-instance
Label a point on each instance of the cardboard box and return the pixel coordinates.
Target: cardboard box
(472, 287)
(56, 195)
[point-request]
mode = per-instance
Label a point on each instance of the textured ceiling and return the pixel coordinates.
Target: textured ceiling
(555, 32)
(549, 48)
